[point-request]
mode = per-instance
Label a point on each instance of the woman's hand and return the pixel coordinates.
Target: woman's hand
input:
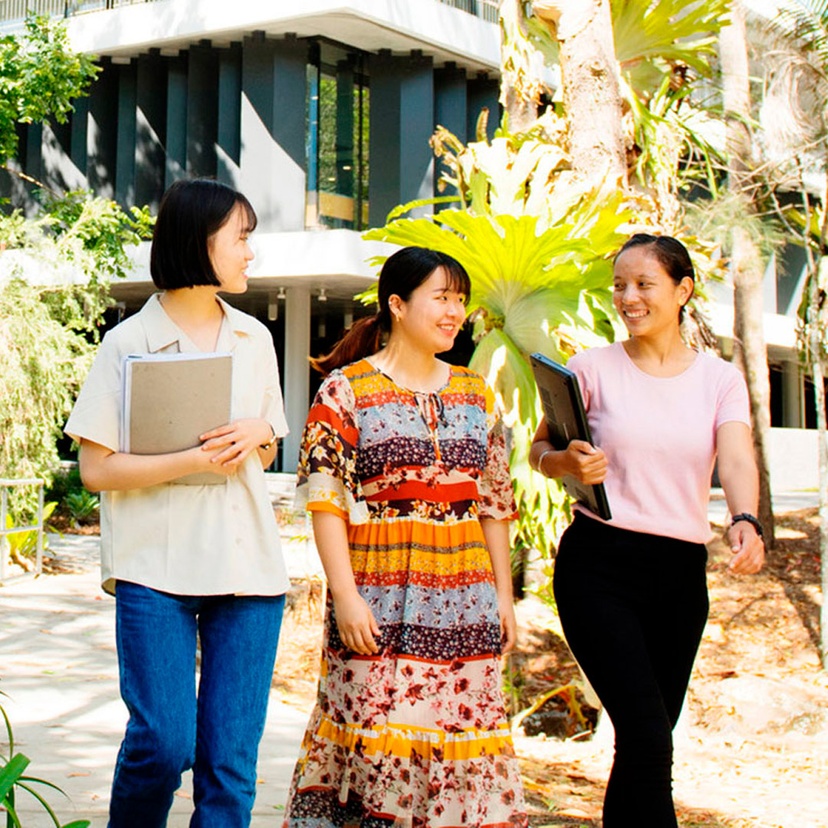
(747, 547)
(508, 623)
(358, 629)
(230, 444)
(584, 462)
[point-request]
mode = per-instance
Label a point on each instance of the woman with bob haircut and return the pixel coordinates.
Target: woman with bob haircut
(404, 468)
(190, 562)
(631, 592)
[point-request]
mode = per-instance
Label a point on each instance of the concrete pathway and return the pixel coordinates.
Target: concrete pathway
(58, 668)
(59, 672)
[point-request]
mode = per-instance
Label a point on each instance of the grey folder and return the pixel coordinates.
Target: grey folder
(170, 399)
(564, 411)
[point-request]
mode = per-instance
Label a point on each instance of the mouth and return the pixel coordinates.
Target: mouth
(639, 314)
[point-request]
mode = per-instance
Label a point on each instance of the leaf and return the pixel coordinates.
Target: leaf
(11, 772)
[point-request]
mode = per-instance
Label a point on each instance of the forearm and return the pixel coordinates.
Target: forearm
(330, 533)
(496, 533)
(550, 462)
(104, 470)
(737, 468)
(740, 481)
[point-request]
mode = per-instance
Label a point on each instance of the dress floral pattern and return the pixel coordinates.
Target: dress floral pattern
(416, 736)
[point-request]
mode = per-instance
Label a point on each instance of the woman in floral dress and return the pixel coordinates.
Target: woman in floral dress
(404, 468)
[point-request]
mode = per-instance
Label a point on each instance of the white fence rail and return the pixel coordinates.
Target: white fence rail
(5, 531)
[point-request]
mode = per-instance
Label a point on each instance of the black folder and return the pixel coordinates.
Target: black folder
(563, 409)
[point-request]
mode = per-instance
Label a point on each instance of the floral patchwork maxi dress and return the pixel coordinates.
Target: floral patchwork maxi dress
(416, 735)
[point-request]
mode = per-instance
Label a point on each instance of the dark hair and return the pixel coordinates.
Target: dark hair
(670, 253)
(402, 273)
(191, 212)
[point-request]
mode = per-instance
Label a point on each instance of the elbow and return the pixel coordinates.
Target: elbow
(91, 483)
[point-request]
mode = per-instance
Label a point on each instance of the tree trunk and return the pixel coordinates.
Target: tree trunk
(815, 359)
(591, 90)
(519, 90)
(745, 262)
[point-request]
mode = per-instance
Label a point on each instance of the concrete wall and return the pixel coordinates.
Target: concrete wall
(793, 459)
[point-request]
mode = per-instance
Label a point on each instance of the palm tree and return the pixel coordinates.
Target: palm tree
(536, 226)
(795, 118)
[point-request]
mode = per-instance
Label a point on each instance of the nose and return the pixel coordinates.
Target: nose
(457, 309)
(627, 294)
(249, 255)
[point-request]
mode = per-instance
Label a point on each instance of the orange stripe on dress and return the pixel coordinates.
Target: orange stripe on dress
(325, 414)
(417, 490)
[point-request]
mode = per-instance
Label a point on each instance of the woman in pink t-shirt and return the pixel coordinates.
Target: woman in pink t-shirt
(632, 591)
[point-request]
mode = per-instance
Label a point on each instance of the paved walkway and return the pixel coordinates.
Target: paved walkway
(59, 671)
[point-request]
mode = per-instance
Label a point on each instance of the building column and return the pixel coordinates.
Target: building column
(176, 120)
(273, 105)
(228, 144)
(101, 133)
(151, 129)
(296, 370)
(202, 110)
(402, 121)
(793, 395)
(127, 120)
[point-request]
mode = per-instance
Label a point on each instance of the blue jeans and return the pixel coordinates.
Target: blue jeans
(172, 727)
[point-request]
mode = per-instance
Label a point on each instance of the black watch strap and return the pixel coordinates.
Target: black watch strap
(751, 519)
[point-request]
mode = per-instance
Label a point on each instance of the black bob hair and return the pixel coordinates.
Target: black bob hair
(191, 211)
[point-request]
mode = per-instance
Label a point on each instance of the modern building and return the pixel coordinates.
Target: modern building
(320, 111)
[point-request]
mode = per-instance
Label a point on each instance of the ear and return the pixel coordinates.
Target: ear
(685, 289)
(395, 305)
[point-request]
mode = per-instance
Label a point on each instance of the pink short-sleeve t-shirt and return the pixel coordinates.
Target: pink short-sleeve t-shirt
(659, 435)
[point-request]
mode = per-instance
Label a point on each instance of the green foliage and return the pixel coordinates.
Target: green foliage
(13, 778)
(39, 77)
(54, 288)
(81, 506)
(42, 364)
(654, 39)
(23, 544)
(538, 255)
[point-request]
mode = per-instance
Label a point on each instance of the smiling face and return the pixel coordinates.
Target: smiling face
(230, 254)
(432, 316)
(647, 299)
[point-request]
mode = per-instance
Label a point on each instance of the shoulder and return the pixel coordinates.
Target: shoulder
(459, 373)
(245, 323)
(715, 367)
(596, 357)
(129, 335)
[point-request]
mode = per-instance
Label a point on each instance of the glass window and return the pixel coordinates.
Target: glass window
(337, 139)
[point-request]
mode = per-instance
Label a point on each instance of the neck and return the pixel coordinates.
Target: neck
(410, 367)
(660, 350)
(197, 304)
(197, 312)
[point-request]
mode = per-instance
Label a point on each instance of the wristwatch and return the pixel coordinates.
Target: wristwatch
(270, 442)
(751, 519)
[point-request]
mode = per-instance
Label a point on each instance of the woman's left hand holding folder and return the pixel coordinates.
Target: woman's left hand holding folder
(236, 440)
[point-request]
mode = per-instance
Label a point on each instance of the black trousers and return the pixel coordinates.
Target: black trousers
(633, 608)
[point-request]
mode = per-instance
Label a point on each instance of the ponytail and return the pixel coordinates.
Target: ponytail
(362, 339)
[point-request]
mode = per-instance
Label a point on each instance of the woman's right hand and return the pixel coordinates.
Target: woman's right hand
(585, 462)
(358, 629)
